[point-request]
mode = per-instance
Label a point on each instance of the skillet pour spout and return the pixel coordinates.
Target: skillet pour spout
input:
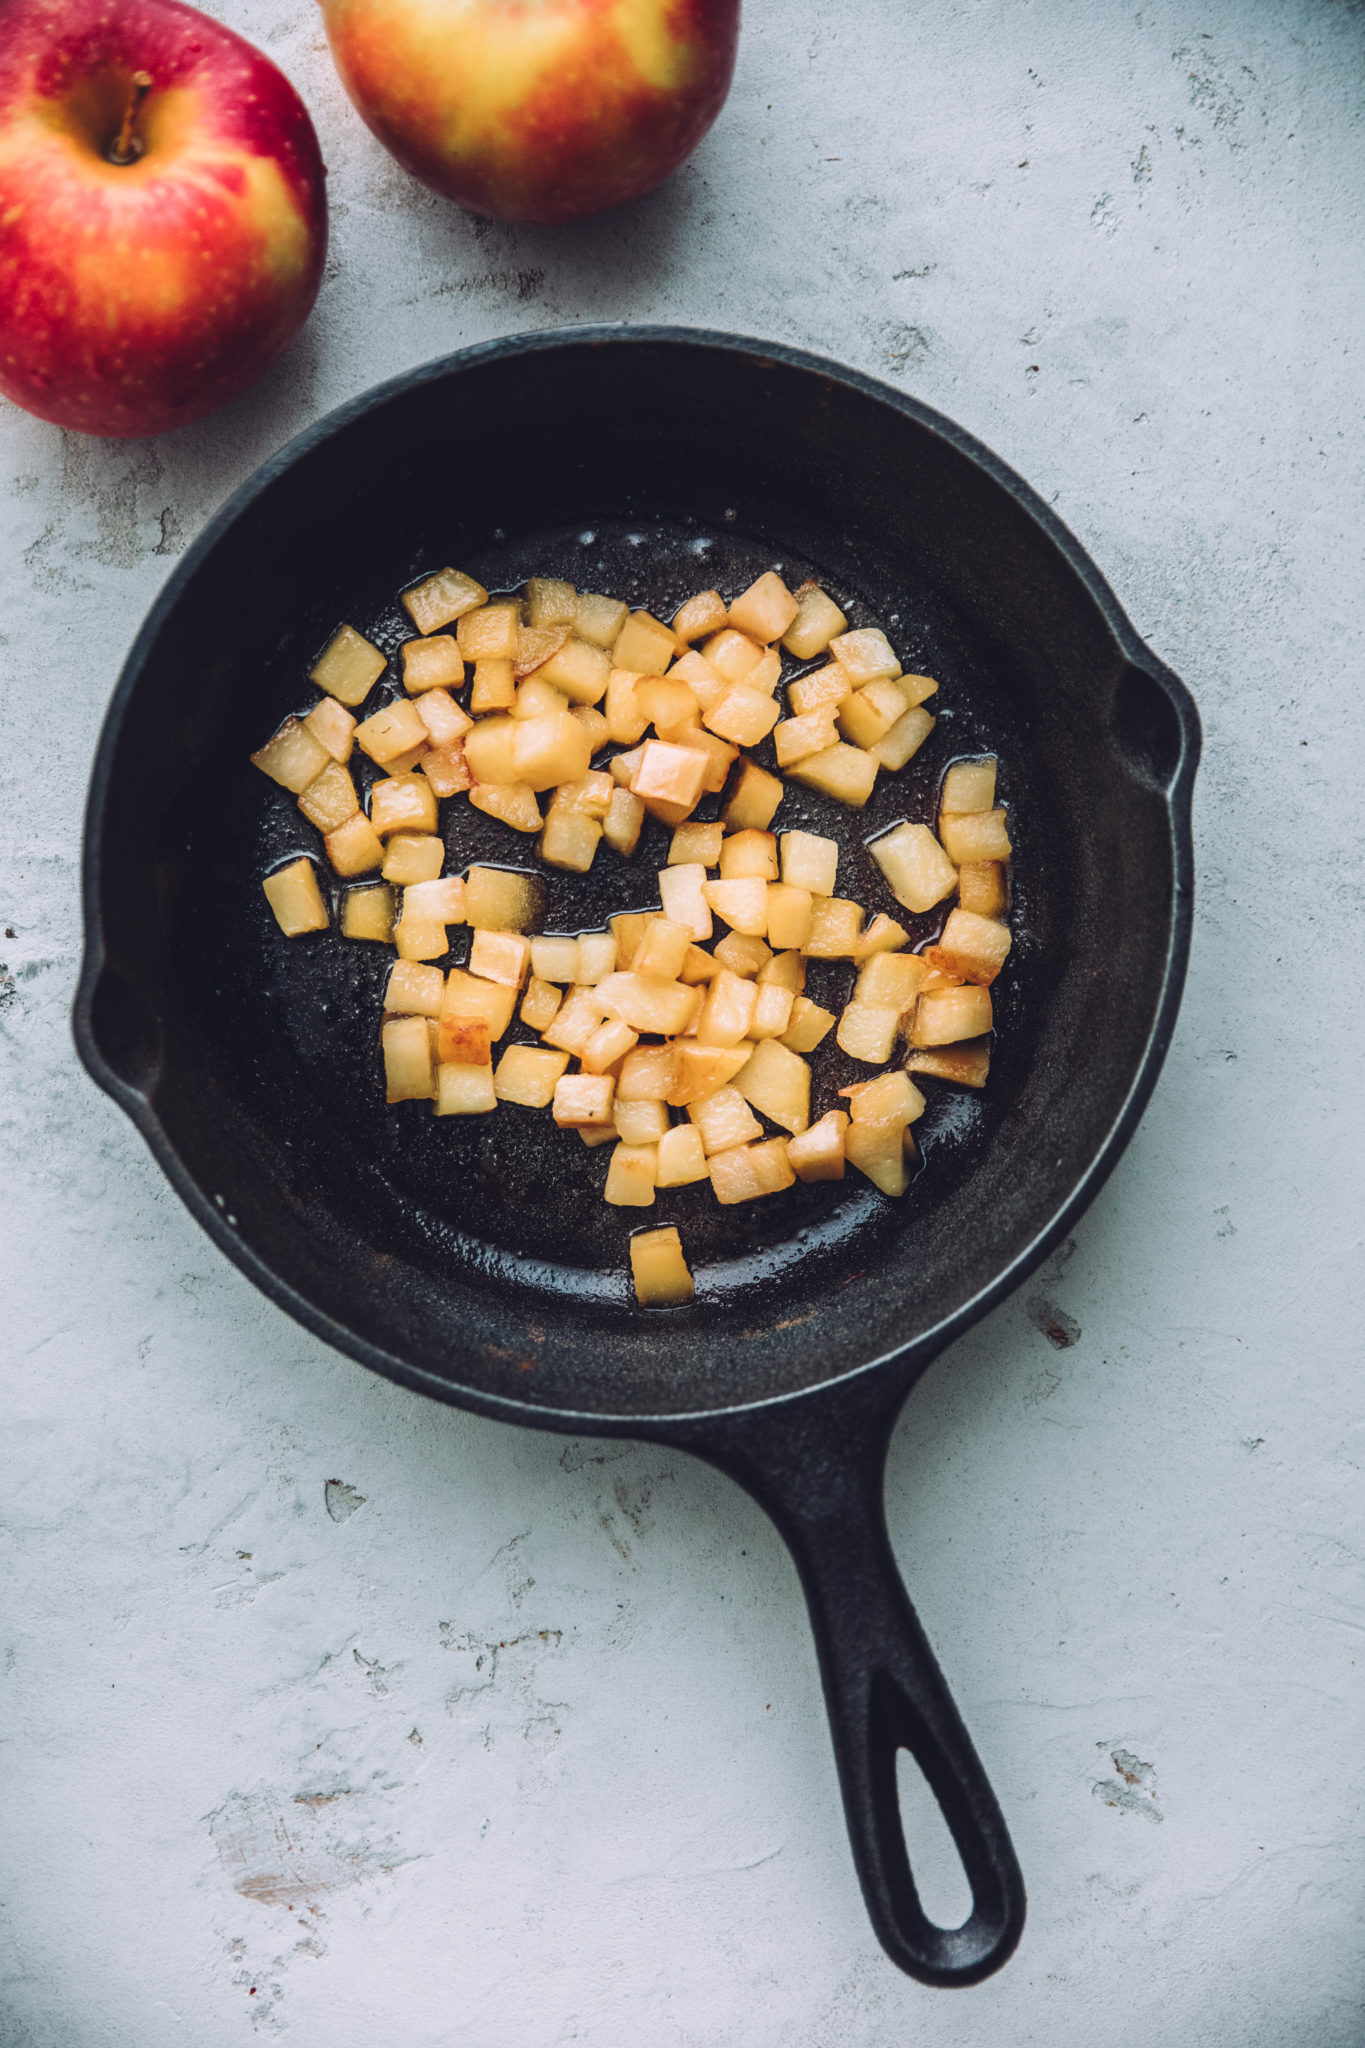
(472, 1258)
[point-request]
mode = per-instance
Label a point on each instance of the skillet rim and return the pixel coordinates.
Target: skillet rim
(911, 1358)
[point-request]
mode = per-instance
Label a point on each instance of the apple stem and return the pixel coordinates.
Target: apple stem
(129, 145)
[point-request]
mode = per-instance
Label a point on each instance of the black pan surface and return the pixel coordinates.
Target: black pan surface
(474, 1258)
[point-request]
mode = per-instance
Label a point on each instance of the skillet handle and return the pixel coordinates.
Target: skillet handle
(821, 1478)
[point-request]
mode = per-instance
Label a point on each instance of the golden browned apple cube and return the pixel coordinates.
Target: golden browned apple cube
(772, 1011)
(503, 899)
(550, 602)
(554, 957)
(845, 773)
(948, 1014)
(659, 1270)
(294, 896)
(465, 1040)
(591, 794)
(438, 599)
(787, 970)
(444, 719)
(414, 990)
(809, 1025)
(766, 673)
(662, 949)
(835, 928)
(630, 1177)
(823, 691)
(968, 1063)
(818, 618)
(420, 938)
(666, 702)
(818, 1154)
(974, 835)
(581, 1099)
(891, 1098)
(883, 935)
(810, 862)
(432, 664)
(776, 1083)
(580, 670)
(766, 610)
(640, 1123)
(732, 655)
(890, 980)
(869, 713)
(681, 1157)
(768, 1169)
(349, 666)
(903, 741)
(408, 1072)
(623, 823)
(747, 854)
(705, 613)
(645, 645)
(669, 774)
(368, 913)
(499, 956)
(868, 1032)
(599, 619)
(981, 887)
(699, 1070)
(490, 633)
(535, 698)
(918, 871)
(593, 724)
(754, 798)
(464, 1090)
(727, 1011)
(354, 847)
(974, 948)
(724, 1120)
(645, 1074)
(659, 1008)
(546, 750)
(697, 845)
(790, 912)
(494, 687)
(882, 1151)
(295, 757)
(627, 928)
(467, 996)
(513, 802)
(626, 719)
(742, 716)
(578, 1017)
(541, 1001)
(392, 730)
(701, 679)
(570, 839)
(743, 905)
(333, 724)
(413, 857)
(402, 803)
(970, 785)
(609, 1043)
(330, 799)
(528, 1074)
(743, 953)
(699, 966)
(596, 958)
(796, 739)
(866, 655)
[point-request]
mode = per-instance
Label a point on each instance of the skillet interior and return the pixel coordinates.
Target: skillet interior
(479, 1251)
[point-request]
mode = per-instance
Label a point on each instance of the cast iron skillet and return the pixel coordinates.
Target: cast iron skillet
(474, 1259)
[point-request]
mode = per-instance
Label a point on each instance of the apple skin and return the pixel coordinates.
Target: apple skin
(137, 297)
(536, 110)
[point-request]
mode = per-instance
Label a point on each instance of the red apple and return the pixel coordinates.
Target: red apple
(162, 217)
(538, 110)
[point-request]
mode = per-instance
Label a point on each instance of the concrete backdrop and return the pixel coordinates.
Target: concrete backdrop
(507, 1739)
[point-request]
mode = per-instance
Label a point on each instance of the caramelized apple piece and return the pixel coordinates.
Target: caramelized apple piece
(766, 610)
(293, 894)
(680, 1157)
(918, 870)
(583, 1099)
(809, 1025)
(971, 947)
(330, 722)
(969, 785)
(599, 619)
(981, 887)
(368, 912)
(968, 1062)
(295, 756)
(494, 687)
(490, 632)
(659, 1270)
(623, 823)
(754, 798)
(465, 1090)
(408, 1070)
(513, 802)
(503, 899)
(776, 1082)
(742, 716)
(867, 1031)
(705, 613)
(645, 644)
(975, 835)
(903, 741)
(529, 1074)
(947, 1014)
(818, 1153)
(354, 847)
(630, 1177)
(882, 1151)
(866, 655)
(845, 773)
(432, 664)
(724, 1120)
(414, 991)
(402, 803)
(835, 928)
(348, 667)
(438, 599)
(818, 618)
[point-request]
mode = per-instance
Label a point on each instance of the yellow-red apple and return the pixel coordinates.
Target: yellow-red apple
(536, 110)
(162, 217)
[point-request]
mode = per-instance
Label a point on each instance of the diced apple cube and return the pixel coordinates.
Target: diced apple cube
(880, 1151)
(500, 956)
(699, 1070)
(696, 845)
(467, 996)
(657, 1265)
(784, 970)
(733, 1177)
(368, 913)
(845, 773)
(330, 722)
(627, 928)
(413, 857)
(916, 689)
(570, 839)
(681, 1157)
(536, 699)
(669, 774)
(293, 894)
(413, 990)
(919, 872)
(818, 618)
(974, 836)
(823, 691)
(580, 670)
(541, 1001)
(705, 613)
(732, 655)
(596, 958)
(776, 1083)
(550, 602)
(408, 1073)
(883, 935)
(630, 1177)
(465, 1040)
(435, 664)
(818, 1154)
(810, 862)
(598, 1134)
(724, 1120)
(583, 1099)
(742, 716)
(494, 687)
(623, 823)
(295, 756)
(349, 666)
(868, 1031)
(663, 948)
(554, 958)
(445, 720)
(810, 1024)
(640, 1123)
(743, 953)
(420, 938)
(503, 899)
(727, 1011)
(609, 1043)
(681, 889)
(535, 646)
(790, 912)
(974, 948)
(796, 739)
(754, 798)
(766, 610)
(968, 1062)
(489, 633)
(442, 899)
(645, 645)
(463, 1090)
(835, 928)
(547, 749)
(440, 598)
(903, 741)
(599, 619)
(747, 854)
(743, 905)
(866, 655)
(402, 803)
(772, 1166)
(891, 1098)
(662, 1008)
(513, 802)
(573, 1025)
(666, 701)
(354, 847)
(871, 712)
(529, 1074)
(701, 679)
(981, 887)
(593, 724)
(948, 1014)
(969, 785)
(646, 1074)
(772, 1011)
(890, 980)
(626, 718)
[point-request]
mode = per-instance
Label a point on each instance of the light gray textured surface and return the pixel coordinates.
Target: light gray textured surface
(528, 1746)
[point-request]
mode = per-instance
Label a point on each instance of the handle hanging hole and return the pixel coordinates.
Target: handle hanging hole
(940, 1879)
